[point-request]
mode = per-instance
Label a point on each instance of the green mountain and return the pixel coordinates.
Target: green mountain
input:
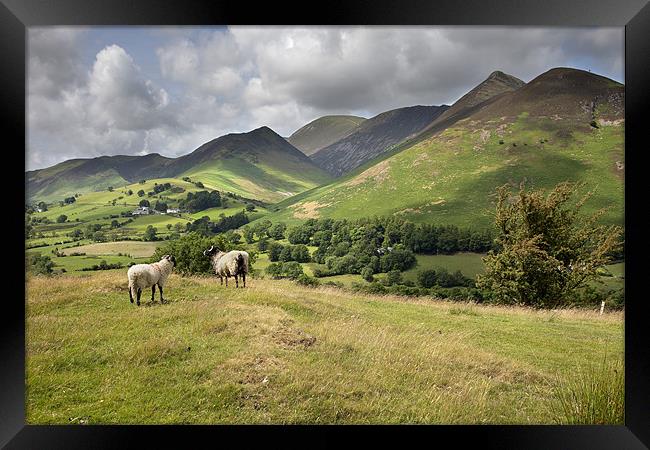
(374, 137)
(259, 164)
(566, 124)
(323, 131)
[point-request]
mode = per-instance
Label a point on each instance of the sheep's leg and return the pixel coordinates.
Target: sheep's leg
(226, 280)
(153, 293)
(236, 281)
(131, 293)
(139, 293)
(221, 278)
(162, 300)
(243, 277)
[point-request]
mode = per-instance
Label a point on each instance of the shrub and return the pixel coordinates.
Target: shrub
(547, 251)
(62, 218)
(188, 251)
(427, 278)
(393, 277)
(40, 264)
(274, 270)
(321, 272)
(275, 250)
(292, 270)
(306, 280)
(367, 274)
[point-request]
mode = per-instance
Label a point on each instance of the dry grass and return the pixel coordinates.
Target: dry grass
(277, 352)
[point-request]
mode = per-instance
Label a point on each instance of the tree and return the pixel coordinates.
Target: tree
(144, 202)
(250, 207)
(547, 250)
(141, 193)
(427, 278)
(367, 274)
(62, 218)
(110, 189)
(40, 264)
(292, 270)
(115, 223)
(263, 244)
(160, 206)
(300, 253)
(274, 251)
(393, 277)
(277, 231)
(129, 192)
(249, 234)
(150, 233)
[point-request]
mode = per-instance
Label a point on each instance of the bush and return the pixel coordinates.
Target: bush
(274, 270)
(40, 264)
(427, 278)
(393, 277)
(306, 280)
(62, 218)
(188, 251)
(321, 272)
(292, 270)
(367, 274)
(275, 250)
(546, 249)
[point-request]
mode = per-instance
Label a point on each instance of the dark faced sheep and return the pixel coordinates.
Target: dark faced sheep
(231, 264)
(144, 276)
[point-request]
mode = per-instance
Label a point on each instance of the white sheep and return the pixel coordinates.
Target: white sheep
(143, 276)
(230, 264)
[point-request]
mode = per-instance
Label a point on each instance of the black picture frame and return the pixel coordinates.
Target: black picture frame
(634, 15)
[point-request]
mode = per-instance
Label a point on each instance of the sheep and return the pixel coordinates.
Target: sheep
(233, 263)
(143, 276)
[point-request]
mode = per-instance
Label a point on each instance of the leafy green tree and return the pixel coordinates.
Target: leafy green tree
(188, 251)
(115, 223)
(150, 233)
(141, 193)
(285, 254)
(367, 274)
(274, 270)
(263, 244)
(393, 277)
(144, 202)
(274, 251)
(249, 234)
(277, 231)
(160, 206)
(62, 218)
(547, 249)
(300, 253)
(250, 207)
(427, 278)
(40, 264)
(299, 235)
(292, 270)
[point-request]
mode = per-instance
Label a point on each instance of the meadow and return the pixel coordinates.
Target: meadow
(277, 352)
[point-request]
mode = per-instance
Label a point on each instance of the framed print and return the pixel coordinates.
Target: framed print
(378, 222)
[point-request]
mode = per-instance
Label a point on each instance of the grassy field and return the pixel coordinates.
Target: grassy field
(133, 248)
(98, 208)
(280, 353)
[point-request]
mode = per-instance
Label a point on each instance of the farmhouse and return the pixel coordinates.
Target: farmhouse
(173, 211)
(142, 211)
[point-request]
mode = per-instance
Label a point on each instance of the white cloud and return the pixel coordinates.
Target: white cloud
(217, 81)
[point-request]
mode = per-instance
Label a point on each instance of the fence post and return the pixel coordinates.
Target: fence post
(602, 307)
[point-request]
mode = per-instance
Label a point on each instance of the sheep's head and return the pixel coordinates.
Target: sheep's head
(170, 258)
(211, 251)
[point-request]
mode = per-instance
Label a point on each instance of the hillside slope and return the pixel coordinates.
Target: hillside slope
(374, 137)
(259, 164)
(323, 131)
(539, 133)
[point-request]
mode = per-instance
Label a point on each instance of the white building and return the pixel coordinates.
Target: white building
(142, 211)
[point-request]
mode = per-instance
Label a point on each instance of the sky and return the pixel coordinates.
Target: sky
(137, 90)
